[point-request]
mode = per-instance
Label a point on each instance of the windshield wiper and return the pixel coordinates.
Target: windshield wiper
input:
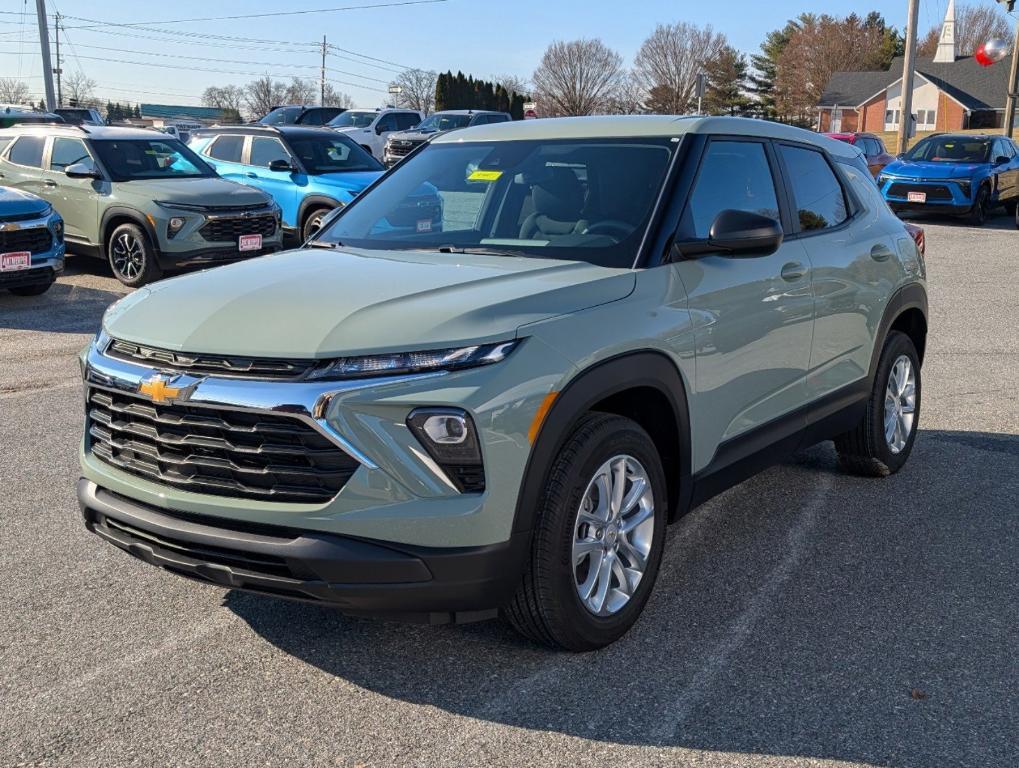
(323, 244)
(476, 251)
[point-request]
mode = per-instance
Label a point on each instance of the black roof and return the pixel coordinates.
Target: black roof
(973, 86)
(262, 130)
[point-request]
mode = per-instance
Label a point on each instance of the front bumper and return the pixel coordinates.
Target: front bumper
(358, 576)
(948, 196)
(221, 255)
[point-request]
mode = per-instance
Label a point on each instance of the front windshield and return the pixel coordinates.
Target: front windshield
(332, 154)
(353, 119)
(951, 149)
(439, 122)
(281, 116)
(150, 159)
(580, 199)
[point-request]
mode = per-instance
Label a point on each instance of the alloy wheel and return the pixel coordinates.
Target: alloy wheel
(900, 403)
(612, 535)
(128, 256)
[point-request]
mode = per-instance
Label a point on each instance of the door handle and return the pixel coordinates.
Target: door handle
(793, 271)
(49, 183)
(881, 252)
(251, 175)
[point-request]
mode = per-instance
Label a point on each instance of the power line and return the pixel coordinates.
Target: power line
(268, 14)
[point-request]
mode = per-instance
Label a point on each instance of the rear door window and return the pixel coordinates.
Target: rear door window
(227, 148)
(819, 198)
(27, 150)
(733, 175)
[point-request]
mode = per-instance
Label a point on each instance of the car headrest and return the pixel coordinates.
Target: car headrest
(560, 196)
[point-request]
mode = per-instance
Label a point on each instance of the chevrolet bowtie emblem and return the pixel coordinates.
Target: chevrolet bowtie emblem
(159, 389)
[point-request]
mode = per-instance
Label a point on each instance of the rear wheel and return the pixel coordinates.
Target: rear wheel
(598, 539)
(132, 257)
(313, 222)
(881, 443)
(978, 214)
(1016, 216)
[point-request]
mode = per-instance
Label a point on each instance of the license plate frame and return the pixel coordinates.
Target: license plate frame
(15, 261)
(247, 243)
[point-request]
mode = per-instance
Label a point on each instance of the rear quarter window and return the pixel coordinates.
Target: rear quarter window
(27, 150)
(818, 196)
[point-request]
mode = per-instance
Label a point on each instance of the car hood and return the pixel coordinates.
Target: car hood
(209, 191)
(318, 303)
(352, 181)
(414, 135)
(15, 202)
(927, 170)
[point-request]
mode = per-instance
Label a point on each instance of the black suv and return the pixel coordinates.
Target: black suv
(297, 114)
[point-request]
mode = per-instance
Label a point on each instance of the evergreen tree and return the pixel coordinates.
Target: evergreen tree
(727, 83)
(109, 111)
(765, 63)
(138, 111)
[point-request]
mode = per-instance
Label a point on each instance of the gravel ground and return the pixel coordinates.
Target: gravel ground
(805, 618)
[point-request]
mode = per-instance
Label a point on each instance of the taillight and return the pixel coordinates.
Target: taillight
(918, 236)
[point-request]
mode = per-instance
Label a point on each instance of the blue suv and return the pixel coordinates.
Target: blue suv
(960, 174)
(307, 171)
(31, 243)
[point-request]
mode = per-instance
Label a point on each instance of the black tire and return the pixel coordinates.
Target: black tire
(312, 221)
(1017, 216)
(31, 290)
(978, 214)
(131, 256)
(547, 607)
(865, 450)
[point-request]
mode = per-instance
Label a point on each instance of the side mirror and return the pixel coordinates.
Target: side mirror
(379, 129)
(742, 233)
(1001, 160)
(81, 171)
(280, 166)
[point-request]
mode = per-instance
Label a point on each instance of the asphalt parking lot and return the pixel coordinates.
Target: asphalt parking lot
(804, 618)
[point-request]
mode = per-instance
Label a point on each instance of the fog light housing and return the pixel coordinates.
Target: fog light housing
(449, 436)
(58, 229)
(175, 225)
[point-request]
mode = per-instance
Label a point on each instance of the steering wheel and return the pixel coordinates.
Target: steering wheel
(614, 228)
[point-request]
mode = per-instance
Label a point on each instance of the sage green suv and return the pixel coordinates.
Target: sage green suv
(141, 200)
(501, 408)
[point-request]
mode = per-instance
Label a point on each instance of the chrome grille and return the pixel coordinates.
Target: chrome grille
(216, 451)
(232, 227)
(34, 240)
(209, 365)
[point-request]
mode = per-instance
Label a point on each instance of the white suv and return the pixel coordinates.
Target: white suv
(371, 127)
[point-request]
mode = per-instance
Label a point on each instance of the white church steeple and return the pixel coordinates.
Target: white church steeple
(946, 43)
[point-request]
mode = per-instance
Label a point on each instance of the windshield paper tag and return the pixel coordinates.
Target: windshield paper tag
(424, 225)
(484, 176)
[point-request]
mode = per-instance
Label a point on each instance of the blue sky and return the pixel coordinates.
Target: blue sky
(481, 37)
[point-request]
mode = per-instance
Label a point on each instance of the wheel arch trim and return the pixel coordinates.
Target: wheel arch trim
(908, 297)
(124, 212)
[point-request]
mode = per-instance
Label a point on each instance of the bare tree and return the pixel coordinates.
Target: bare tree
(417, 89)
(630, 96)
(263, 94)
(513, 84)
(335, 98)
(668, 62)
(79, 90)
(224, 97)
(579, 77)
(301, 91)
(14, 91)
(974, 24)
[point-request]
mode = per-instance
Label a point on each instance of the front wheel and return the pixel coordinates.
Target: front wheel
(313, 222)
(978, 214)
(880, 444)
(1016, 216)
(598, 538)
(132, 257)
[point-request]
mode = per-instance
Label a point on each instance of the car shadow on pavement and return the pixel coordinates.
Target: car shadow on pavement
(995, 221)
(804, 613)
(64, 308)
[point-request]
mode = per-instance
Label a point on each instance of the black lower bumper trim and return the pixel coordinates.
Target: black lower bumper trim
(171, 260)
(944, 209)
(27, 277)
(356, 575)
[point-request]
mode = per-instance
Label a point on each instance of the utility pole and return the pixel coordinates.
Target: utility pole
(906, 97)
(44, 43)
(58, 70)
(1013, 87)
(322, 77)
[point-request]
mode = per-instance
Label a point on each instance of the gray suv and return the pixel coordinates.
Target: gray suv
(138, 198)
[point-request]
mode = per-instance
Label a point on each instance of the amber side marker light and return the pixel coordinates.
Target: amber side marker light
(539, 416)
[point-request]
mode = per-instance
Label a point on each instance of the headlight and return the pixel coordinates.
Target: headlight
(882, 178)
(413, 362)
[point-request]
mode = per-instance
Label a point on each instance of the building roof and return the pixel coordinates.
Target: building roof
(170, 111)
(637, 126)
(973, 86)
